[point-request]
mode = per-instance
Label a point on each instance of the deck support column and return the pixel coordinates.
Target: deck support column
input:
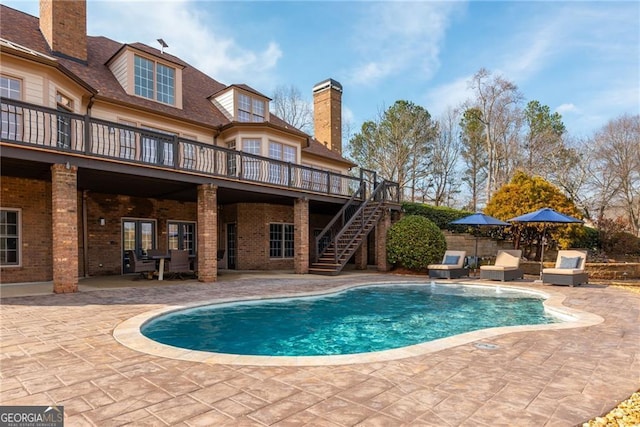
(301, 235)
(381, 241)
(207, 232)
(64, 223)
(361, 256)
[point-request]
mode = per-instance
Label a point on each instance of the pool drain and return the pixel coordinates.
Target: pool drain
(485, 346)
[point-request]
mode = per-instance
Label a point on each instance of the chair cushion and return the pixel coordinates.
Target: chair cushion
(562, 271)
(443, 267)
(451, 260)
(497, 268)
(569, 262)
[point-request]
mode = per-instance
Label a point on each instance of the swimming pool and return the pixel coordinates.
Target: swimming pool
(358, 320)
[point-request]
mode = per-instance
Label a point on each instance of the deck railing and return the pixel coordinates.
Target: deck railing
(31, 125)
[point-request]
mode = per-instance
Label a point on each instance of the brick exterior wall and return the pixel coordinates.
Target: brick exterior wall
(381, 241)
(207, 232)
(64, 25)
(64, 221)
(253, 221)
(105, 242)
(33, 198)
(301, 232)
(327, 118)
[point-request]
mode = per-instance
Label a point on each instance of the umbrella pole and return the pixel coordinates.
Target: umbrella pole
(475, 261)
(544, 225)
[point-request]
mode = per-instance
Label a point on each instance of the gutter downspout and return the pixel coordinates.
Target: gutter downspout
(85, 220)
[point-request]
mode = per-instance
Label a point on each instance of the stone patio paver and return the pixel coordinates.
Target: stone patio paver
(59, 349)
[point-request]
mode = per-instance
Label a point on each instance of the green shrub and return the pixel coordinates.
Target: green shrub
(589, 239)
(414, 242)
(440, 215)
(621, 243)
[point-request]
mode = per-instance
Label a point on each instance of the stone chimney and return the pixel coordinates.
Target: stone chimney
(63, 24)
(327, 114)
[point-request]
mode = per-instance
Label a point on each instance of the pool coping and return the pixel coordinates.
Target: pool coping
(128, 332)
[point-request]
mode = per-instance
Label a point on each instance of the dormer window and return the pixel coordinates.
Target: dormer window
(154, 80)
(250, 109)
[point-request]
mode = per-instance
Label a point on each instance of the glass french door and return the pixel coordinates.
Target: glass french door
(232, 237)
(138, 235)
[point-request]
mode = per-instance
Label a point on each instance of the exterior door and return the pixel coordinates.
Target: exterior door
(137, 235)
(232, 238)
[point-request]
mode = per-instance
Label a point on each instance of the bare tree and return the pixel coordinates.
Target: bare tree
(290, 106)
(441, 183)
(618, 150)
(497, 99)
(571, 169)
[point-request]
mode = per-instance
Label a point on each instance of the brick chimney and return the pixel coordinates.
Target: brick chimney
(63, 24)
(327, 114)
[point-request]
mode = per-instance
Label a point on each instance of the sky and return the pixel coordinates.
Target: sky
(582, 59)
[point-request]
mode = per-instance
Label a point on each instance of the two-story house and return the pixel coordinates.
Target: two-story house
(109, 147)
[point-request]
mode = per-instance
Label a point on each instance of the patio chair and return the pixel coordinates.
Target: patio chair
(506, 267)
(569, 269)
(451, 267)
(155, 252)
(141, 266)
(179, 263)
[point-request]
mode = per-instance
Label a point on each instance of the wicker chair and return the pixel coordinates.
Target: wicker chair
(141, 266)
(506, 267)
(451, 267)
(569, 269)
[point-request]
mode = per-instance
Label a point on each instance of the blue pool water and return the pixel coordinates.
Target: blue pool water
(358, 320)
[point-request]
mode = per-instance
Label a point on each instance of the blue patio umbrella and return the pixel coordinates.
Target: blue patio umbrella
(479, 219)
(545, 216)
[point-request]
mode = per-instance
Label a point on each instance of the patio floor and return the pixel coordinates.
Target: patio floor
(60, 349)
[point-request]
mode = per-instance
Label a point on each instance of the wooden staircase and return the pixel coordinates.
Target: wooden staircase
(347, 239)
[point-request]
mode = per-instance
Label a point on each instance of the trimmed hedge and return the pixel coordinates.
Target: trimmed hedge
(414, 242)
(440, 215)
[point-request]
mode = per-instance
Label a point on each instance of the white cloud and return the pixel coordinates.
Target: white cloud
(192, 33)
(449, 95)
(397, 37)
(566, 108)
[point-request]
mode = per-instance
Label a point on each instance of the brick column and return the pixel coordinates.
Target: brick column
(301, 235)
(207, 232)
(64, 221)
(361, 256)
(381, 241)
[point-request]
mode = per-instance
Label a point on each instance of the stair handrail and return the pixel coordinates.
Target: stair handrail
(340, 215)
(372, 198)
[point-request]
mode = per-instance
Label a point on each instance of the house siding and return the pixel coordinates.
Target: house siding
(225, 103)
(33, 197)
(120, 67)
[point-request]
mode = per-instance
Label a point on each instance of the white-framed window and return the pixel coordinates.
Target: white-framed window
(156, 149)
(10, 241)
(182, 236)
(127, 139)
(283, 152)
(232, 165)
(281, 241)
(63, 128)
(251, 165)
(250, 109)
(154, 80)
(11, 88)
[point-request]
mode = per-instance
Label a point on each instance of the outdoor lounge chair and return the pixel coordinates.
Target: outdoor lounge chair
(569, 269)
(179, 263)
(451, 267)
(141, 266)
(506, 267)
